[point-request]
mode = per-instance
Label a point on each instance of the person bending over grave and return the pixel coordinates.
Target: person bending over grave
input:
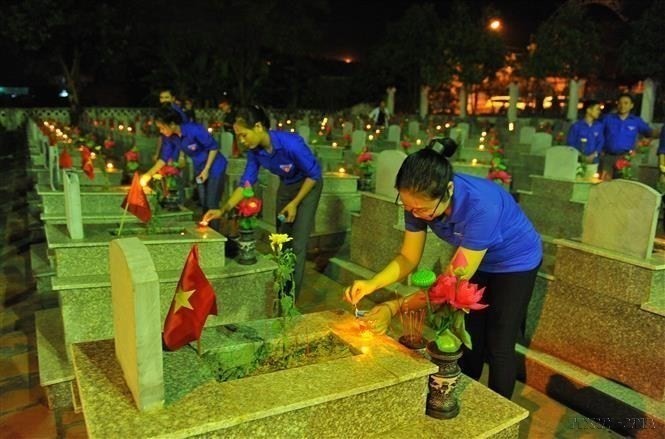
(195, 141)
(500, 248)
(586, 135)
(287, 156)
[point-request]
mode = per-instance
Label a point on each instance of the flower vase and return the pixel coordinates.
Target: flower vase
(365, 182)
(246, 247)
(170, 202)
(441, 398)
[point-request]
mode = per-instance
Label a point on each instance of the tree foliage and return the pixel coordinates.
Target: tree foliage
(641, 54)
(566, 44)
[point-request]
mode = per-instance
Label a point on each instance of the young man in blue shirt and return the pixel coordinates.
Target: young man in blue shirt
(287, 156)
(586, 135)
(621, 130)
(502, 249)
(193, 140)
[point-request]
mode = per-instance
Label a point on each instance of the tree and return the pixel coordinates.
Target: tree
(641, 54)
(67, 37)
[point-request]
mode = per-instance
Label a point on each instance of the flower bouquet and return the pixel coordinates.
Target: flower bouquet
(248, 208)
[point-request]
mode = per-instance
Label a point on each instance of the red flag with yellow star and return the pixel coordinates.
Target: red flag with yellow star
(136, 201)
(193, 301)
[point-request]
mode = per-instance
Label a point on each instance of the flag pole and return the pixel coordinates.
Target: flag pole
(122, 220)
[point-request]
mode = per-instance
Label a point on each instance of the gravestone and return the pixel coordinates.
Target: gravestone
(621, 216)
(652, 157)
(394, 133)
(347, 128)
(304, 132)
(526, 135)
(72, 192)
(54, 166)
(226, 144)
(561, 163)
(358, 141)
(464, 128)
(136, 321)
(540, 143)
(387, 166)
(414, 129)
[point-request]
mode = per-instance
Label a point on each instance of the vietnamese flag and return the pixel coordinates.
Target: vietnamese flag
(136, 202)
(193, 301)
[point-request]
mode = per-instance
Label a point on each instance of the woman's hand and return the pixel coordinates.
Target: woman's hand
(212, 214)
(202, 177)
(358, 290)
(145, 179)
(378, 318)
(289, 212)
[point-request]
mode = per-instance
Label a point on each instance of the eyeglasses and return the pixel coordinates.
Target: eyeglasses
(420, 211)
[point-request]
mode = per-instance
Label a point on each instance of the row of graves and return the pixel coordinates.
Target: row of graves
(603, 269)
(107, 283)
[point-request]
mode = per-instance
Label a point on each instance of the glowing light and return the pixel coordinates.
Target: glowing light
(348, 60)
(511, 126)
(63, 93)
(129, 129)
(596, 175)
(482, 139)
(474, 162)
(279, 124)
(182, 233)
(438, 127)
(484, 133)
(288, 121)
(341, 171)
(447, 125)
(481, 147)
(210, 130)
(418, 141)
(370, 137)
(334, 144)
(93, 155)
(293, 130)
(368, 126)
(46, 123)
(203, 223)
(121, 127)
(325, 121)
(495, 24)
(205, 235)
(109, 166)
(364, 349)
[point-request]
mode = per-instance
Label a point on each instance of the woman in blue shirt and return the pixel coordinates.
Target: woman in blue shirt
(502, 249)
(195, 141)
(287, 156)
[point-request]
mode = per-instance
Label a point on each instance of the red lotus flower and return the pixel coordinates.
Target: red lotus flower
(406, 144)
(109, 144)
(443, 290)
(65, 160)
(132, 156)
(249, 206)
(168, 170)
(500, 175)
(365, 157)
(621, 164)
(468, 296)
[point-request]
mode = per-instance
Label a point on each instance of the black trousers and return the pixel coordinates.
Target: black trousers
(494, 330)
(301, 228)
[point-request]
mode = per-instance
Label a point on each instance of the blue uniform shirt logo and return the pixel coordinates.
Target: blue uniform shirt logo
(286, 168)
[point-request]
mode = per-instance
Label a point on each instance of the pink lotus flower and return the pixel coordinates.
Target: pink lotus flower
(132, 156)
(468, 297)
(443, 290)
(109, 144)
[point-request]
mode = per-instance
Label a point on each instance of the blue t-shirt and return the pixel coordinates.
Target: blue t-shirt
(587, 139)
(291, 160)
(485, 216)
(180, 111)
(621, 134)
(196, 142)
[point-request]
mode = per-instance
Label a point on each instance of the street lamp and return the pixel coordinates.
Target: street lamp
(495, 24)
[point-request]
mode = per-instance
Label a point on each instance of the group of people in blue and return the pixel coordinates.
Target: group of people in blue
(479, 218)
(605, 140)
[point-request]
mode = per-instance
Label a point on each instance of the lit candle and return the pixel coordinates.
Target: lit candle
(378, 131)
(511, 126)
(418, 142)
(93, 155)
(447, 125)
(121, 127)
(342, 171)
(288, 121)
(129, 129)
(370, 137)
(293, 130)
(438, 127)
(484, 133)
(474, 162)
(210, 130)
(279, 124)
(596, 175)
(368, 126)
(109, 166)
(481, 147)
(334, 144)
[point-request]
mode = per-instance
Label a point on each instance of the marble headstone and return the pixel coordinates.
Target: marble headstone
(540, 143)
(54, 166)
(394, 133)
(226, 144)
(387, 166)
(526, 134)
(414, 129)
(358, 141)
(621, 216)
(347, 128)
(72, 193)
(304, 132)
(561, 163)
(136, 321)
(464, 129)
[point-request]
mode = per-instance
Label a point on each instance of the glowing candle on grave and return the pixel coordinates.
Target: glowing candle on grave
(596, 175)
(418, 141)
(474, 162)
(334, 144)
(288, 121)
(484, 133)
(511, 126)
(279, 124)
(93, 155)
(121, 127)
(438, 127)
(210, 130)
(481, 147)
(368, 126)
(447, 125)
(109, 166)
(293, 130)
(370, 137)
(341, 171)
(378, 132)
